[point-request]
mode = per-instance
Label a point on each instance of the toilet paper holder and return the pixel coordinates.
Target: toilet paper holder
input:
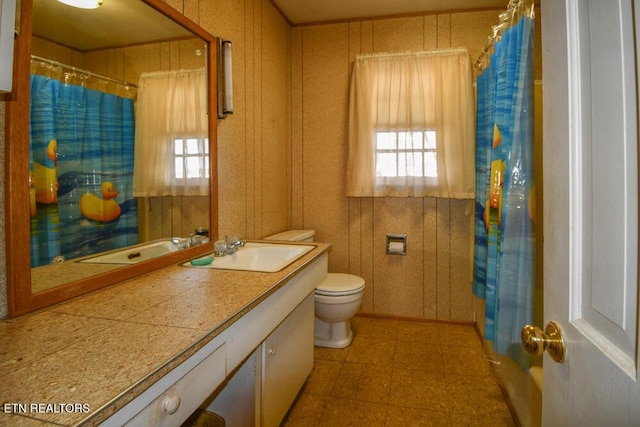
(396, 244)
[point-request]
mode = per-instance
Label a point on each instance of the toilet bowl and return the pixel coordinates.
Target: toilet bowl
(337, 300)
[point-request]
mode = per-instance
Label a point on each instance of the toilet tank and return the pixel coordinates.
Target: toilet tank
(294, 236)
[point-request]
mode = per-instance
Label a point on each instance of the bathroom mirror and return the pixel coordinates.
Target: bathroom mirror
(109, 47)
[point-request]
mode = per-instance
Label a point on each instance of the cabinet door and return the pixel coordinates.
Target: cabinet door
(287, 360)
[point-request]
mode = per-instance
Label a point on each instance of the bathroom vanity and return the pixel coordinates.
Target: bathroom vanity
(164, 345)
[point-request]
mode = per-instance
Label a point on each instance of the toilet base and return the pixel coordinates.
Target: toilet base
(332, 335)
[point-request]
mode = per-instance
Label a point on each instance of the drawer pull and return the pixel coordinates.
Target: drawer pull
(171, 404)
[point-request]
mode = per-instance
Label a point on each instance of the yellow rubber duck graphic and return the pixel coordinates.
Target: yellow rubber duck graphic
(497, 182)
(45, 178)
(103, 209)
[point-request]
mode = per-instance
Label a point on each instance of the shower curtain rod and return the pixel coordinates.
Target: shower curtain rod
(448, 51)
(88, 73)
(507, 17)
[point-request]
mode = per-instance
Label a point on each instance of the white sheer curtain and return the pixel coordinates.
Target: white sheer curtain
(411, 126)
(171, 144)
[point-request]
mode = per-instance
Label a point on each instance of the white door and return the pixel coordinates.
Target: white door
(590, 211)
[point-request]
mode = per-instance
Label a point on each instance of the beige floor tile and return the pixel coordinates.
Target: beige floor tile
(419, 331)
(456, 336)
(375, 328)
(402, 373)
(372, 351)
(346, 412)
(466, 361)
(323, 377)
(325, 353)
(477, 396)
(307, 411)
(419, 389)
(370, 383)
(418, 355)
(398, 416)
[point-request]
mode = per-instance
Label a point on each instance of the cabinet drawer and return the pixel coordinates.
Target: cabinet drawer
(181, 399)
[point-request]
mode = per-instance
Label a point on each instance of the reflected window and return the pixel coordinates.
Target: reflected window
(191, 158)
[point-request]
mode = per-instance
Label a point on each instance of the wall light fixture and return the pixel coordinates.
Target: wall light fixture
(83, 4)
(225, 79)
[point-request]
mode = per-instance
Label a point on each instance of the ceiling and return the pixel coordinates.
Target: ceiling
(114, 24)
(310, 11)
(125, 22)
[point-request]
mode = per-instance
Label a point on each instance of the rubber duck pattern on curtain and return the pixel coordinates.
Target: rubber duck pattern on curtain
(504, 256)
(81, 171)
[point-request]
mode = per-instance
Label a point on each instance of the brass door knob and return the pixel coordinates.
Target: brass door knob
(536, 341)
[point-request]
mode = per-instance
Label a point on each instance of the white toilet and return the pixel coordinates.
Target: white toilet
(337, 299)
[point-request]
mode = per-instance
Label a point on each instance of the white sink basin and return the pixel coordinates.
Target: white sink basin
(135, 254)
(264, 257)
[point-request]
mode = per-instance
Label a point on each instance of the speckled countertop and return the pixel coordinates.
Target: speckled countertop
(101, 350)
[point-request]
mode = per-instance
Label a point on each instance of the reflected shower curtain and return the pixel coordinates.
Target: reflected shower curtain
(504, 256)
(81, 164)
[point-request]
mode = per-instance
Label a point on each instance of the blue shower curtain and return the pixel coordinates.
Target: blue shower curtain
(81, 163)
(504, 256)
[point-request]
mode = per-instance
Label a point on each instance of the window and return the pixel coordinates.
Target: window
(191, 158)
(411, 126)
(406, 153)
(172, 159)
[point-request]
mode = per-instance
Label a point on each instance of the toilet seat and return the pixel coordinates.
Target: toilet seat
(340, 284)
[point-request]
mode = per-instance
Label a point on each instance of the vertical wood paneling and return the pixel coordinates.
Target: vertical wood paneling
(444, 31)
(398, 34)
(430, 277)
(297, 131)
(400, 276)
(274, 111)
(256, 148)
(460, 277)
(443, 258)
(325, 110)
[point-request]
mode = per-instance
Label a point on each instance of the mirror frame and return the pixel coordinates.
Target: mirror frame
(20, 297)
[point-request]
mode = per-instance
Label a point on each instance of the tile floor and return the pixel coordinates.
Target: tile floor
(402, 373)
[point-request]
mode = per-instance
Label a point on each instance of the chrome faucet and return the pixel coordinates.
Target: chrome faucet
(188, 242)
(233, 244)
(180, 242)
(229, 245)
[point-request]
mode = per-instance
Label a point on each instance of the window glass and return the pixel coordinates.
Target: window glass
(406, 153)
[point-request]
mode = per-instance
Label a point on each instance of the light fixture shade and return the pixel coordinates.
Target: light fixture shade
(225, 79)
(83, 4)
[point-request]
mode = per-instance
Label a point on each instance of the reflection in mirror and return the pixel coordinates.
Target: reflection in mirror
(92, 153)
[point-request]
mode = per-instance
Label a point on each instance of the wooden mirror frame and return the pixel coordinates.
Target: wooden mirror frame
(20, 297)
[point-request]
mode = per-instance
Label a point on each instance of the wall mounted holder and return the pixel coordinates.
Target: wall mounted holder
(396, 244)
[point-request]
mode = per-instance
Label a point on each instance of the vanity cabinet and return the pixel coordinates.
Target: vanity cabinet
(287, 360)
(250, 372)
(262, 390)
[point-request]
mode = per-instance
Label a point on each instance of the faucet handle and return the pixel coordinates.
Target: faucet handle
(220, 247)
(232, 240)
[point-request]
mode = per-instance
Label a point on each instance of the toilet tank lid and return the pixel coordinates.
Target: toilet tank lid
(340, 282)
(293, 235)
